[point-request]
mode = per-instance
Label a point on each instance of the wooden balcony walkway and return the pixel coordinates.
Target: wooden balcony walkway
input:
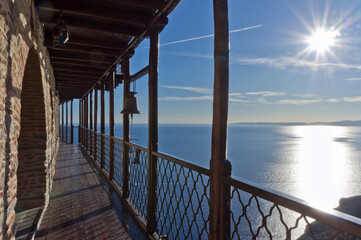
(82, 204)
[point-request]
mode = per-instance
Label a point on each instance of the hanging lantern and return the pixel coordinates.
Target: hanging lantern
(131, 104)
(60, 33)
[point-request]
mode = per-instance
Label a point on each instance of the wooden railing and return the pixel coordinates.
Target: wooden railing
(182, 190)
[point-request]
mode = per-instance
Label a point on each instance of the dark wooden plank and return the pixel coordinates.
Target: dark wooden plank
(219, 166)
(76, 70)
(62, 121)
(83, 49)
(91, 42)
(125, 162)
(74, 63)
(93, 10)
(91, 57)
(91, 24)
(76, 75)
(152, 132)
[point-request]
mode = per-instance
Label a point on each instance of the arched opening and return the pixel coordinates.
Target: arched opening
(31, 174)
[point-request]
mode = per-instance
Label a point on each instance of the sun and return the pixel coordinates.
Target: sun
(322, 40)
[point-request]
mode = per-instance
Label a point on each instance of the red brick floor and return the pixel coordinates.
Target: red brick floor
(82, 205)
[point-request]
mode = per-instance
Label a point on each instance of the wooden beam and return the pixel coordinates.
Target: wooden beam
(125, 161)
(76, 75)
(152, 132)
(90, 42)
(87, 61)
(76, 70)
(74, 63)
(111, 123)
(158, 17)
(220, 167)
(95, 11)
(83, 49)
(91, 24)
(154, 4)
(91, 57)
(139, 74)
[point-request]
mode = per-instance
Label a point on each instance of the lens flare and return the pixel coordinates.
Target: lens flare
(322, 40)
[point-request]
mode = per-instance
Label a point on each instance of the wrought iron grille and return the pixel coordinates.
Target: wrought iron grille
(118, 157)
(183, 199)
(257, 213)
(138, 176)
(106, 152)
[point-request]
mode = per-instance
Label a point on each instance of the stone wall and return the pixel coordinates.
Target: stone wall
(21, 31)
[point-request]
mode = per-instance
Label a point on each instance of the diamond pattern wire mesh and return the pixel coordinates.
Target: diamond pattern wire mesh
(106, 153)
(255, 218)
(138, 164)
(75, 135)
(183, 201)
(118, 157)
(98, 136)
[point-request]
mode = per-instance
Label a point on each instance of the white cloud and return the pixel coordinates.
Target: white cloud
(266, 93)
(306, 95)
(298, 101)
(334, 100)
(352, 79)
(283, 62)
(191, 89)
(199, 98)
(352, 99)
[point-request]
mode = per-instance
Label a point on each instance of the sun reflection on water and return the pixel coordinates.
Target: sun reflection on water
(321, 164)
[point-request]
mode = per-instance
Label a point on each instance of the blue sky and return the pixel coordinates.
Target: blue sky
(274, 75)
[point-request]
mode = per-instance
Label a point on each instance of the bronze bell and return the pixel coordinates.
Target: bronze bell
(131, 104)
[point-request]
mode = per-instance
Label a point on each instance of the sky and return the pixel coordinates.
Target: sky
(290, 61)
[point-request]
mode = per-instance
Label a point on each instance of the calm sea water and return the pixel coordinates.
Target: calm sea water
(319, 164)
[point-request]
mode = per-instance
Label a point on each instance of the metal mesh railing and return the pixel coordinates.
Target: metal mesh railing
(259, 213)
(98, 140)
(183, 199)
(138, 165)
(75, 134)
(118, 157)
(106, 153)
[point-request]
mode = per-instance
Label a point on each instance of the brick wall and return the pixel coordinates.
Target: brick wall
(21, 34)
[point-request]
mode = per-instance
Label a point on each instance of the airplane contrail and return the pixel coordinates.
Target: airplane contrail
(210, 35)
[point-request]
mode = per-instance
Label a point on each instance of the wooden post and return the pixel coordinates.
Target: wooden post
(71, 123)
(90, 122)
(152, 132)
(95, 123)
(66, 121)
(102, 123)
(125, 160)
(86, 123)
(80, 120)
(111, 123)
(62, 121)
(219, 166)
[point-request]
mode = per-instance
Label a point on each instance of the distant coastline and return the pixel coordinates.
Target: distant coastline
(338, 123)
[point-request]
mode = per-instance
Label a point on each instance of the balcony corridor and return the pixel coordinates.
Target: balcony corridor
(82, 204)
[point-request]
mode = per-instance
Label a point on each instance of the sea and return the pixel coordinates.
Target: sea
(319, 164)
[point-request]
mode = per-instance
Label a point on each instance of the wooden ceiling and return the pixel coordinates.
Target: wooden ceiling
(100, 33)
